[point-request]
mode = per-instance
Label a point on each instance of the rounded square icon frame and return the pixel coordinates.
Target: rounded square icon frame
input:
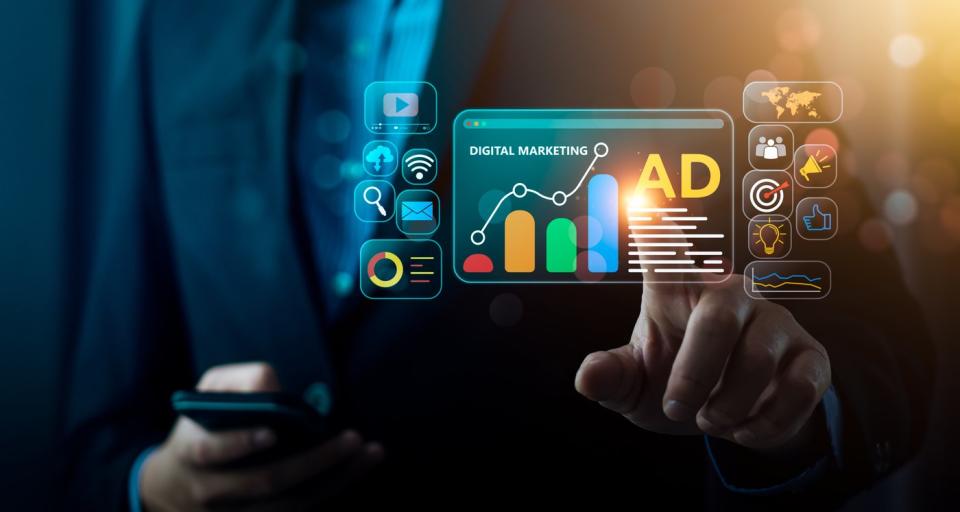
(436, 167)
(836, 220)
(836, 166)
(436, 215)
(745, 200)
(436, 105)
(743, 101)
(392, 210)
(750, 237)
(396, 162)
(363, 269)
(746, 282)
(750, 149)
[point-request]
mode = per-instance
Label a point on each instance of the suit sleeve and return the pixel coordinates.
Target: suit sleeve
(882, 361)
(129, 352)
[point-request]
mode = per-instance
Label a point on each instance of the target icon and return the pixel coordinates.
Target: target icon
(767, 192)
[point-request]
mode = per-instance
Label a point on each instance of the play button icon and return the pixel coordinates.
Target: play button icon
(400, 107)
(401, 104)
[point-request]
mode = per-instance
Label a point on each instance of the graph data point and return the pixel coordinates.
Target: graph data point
(477, 237)
(519, 190)
(600, 149)
(559, 198)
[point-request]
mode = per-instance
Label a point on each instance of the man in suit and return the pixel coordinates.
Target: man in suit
(222, 240)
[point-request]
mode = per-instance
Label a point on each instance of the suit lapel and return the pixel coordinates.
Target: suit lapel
(222, 98)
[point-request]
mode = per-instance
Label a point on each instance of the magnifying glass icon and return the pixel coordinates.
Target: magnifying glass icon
(377, 195)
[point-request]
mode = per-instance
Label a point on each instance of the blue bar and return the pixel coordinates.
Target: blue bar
(603, 204)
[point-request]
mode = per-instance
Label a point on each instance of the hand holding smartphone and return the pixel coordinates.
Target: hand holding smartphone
(295, 424)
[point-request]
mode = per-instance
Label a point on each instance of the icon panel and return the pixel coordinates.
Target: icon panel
(792, 102)
(767, 193)
(769, 236)
(817, 218)
(419, 166)
(770, 146)
(418, 212)
(380, 158)
(400, 107)
(374, 200)
(401, 269)
(815, 166)
(780, 279)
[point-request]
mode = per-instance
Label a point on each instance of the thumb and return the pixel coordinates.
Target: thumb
(614, 378)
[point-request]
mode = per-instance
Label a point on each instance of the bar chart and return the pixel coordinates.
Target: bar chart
(549, 196)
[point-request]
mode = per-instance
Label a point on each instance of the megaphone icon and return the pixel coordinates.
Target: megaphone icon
(810, 167)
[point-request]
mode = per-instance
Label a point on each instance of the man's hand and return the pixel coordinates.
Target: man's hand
(186, 474)
(706, 358)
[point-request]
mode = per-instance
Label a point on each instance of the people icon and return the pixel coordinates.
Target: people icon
(771, 149)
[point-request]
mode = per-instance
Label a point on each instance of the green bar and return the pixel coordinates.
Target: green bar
(561, 246)
(594, 123)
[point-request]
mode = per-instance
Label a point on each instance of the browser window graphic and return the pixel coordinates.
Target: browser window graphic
(586, 196)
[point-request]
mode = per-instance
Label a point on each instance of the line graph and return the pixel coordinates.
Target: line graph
(788, 279)
(520, 190)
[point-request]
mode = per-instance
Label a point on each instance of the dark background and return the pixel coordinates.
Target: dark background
(906, 134)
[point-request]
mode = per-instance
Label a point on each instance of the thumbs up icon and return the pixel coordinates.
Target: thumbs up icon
(818, 216)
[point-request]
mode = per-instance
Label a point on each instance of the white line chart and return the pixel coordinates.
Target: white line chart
(520, 190)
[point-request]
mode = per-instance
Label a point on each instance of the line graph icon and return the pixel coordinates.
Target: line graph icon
(787, 279)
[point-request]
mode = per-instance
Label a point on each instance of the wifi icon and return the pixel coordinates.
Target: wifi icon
(419, 166)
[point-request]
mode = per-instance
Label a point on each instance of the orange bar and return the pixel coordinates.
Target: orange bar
(519, 244)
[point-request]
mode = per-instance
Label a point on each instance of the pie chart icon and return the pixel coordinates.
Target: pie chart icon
(389, 281)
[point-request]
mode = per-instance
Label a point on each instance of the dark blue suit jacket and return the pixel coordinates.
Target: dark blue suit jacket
(199, 259)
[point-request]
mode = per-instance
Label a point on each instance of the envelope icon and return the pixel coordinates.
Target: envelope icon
(416, 211)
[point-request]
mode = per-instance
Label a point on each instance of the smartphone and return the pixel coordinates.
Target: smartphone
(297, 425)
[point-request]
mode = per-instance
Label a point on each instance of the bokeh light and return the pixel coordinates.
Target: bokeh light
(760, 75)
(875, 235)
(724, 93)
(653, 88)
(787, 66)
(906, 50)
(900, 207)
(342, 284)
(333, 126)
(823, 136)
(351, 170)
(326, 172)
(798, 29)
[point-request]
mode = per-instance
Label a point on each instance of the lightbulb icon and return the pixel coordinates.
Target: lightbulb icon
(769, 237)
